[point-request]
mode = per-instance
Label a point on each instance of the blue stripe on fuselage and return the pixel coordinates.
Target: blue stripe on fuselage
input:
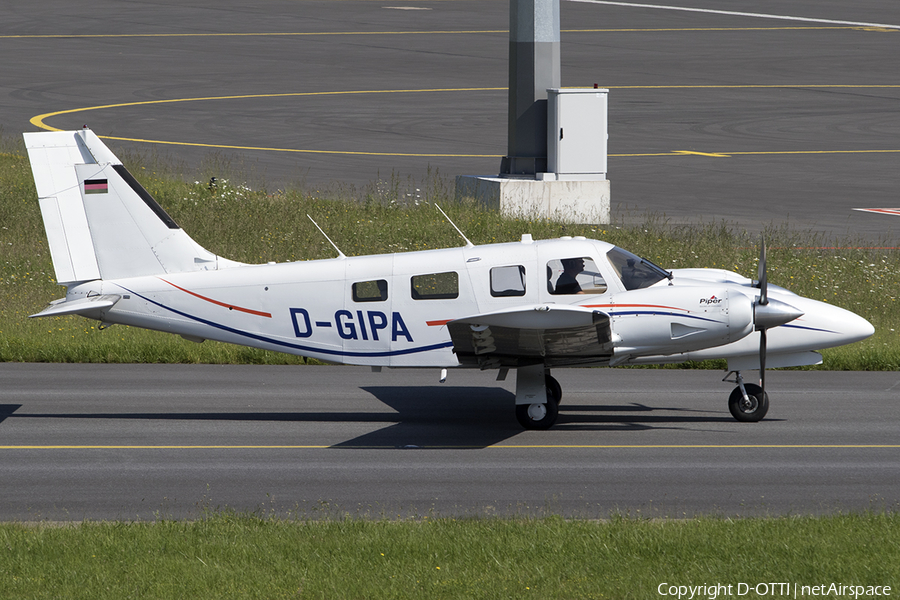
(659, 313)
(277, 342)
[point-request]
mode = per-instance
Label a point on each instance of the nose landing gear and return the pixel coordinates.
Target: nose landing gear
(748, 402)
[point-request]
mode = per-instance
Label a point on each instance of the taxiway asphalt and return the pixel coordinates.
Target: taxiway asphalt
(147, 441)
(760, 115)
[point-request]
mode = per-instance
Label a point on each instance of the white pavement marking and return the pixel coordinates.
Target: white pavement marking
(883, 211)
(738, 14)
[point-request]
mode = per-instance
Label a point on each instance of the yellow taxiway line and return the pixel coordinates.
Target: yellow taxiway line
(39, 120)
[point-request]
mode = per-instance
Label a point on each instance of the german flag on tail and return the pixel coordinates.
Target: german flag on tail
(95, 186)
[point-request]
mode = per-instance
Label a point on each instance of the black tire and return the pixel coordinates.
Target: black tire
(753, 411)
(539, 416)
(554, 387)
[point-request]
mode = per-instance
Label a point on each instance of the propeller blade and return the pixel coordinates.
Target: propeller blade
(766, 315)
(762, 360)
(762, 273)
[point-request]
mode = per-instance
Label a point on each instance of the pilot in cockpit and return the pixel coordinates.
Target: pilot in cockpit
(568, 282)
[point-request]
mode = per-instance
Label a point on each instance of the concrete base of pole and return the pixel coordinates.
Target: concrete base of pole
(567, 201)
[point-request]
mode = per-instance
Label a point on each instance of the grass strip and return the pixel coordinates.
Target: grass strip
(245, 556)
(246, 222)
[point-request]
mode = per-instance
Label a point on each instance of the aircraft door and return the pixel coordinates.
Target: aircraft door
(430, 289)
(502, 279)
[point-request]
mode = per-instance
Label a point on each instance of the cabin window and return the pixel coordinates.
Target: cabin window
(370, 291)
(576, 275)
(435, 286)
(508, 281)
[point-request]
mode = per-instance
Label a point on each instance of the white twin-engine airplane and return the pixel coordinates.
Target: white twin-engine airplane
(526, 305)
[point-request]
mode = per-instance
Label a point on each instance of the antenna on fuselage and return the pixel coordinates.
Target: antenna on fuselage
(340, 254)
(458, 230)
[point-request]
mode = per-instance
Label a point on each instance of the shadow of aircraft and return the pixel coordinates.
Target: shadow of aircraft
(442, 417)
(436, 417)
(635, 418)
(6, 410)
(426, 417)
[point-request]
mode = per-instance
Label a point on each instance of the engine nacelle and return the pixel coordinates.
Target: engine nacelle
(670, 319)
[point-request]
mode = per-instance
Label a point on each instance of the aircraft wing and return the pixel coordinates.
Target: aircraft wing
(555, 335)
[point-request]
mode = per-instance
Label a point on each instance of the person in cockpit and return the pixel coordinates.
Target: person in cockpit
(568, 282)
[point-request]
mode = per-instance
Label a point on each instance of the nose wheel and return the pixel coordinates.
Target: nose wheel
(748, 402)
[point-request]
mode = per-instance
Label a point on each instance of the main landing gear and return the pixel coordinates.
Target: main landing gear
(748, 402)
(537, 397)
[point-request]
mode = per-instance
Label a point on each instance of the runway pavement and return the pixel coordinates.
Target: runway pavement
(147, 441)
(762, 114)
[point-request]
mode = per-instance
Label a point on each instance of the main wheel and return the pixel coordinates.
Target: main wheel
(539, 416)
(748, 411)
(554, 387)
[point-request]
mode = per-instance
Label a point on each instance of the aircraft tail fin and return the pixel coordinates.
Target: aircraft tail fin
(100, 222)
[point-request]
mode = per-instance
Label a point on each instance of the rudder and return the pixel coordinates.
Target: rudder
(100, 222)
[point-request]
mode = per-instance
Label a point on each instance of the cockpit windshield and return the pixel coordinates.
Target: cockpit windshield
(634, 271)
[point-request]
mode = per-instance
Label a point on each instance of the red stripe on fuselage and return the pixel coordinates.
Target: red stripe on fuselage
(217, 303)
(445, 321)
(634, 306)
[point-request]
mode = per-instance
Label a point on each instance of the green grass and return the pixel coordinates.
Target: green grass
(391, 215)
(231, 556)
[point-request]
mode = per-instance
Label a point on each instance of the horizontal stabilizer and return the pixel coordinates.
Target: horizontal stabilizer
(91, 306)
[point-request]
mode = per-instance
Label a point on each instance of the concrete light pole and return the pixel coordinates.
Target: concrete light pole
(561, 177)
(534, 66)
